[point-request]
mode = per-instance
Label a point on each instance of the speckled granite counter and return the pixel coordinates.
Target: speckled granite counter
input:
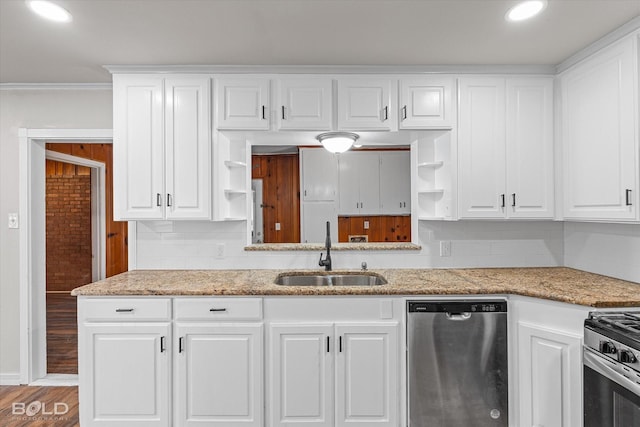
(557, 283)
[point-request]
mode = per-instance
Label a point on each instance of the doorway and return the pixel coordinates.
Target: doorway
(78, 221)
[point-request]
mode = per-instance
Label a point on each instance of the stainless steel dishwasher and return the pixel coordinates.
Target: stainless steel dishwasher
(457, 363)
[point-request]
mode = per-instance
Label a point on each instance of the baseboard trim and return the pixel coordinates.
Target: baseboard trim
(10, 379)
(57, 380)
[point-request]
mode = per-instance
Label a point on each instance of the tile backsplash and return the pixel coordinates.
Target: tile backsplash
(196, 245)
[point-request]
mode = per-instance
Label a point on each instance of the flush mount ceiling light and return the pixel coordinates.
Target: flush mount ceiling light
(49, 10)
(337, 142)
(525, 10)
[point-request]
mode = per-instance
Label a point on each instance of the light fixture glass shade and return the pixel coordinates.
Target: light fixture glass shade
(49, 10)
(337, 142)
(525, 10)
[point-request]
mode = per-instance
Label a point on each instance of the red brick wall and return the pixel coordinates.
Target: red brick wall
(68, 222)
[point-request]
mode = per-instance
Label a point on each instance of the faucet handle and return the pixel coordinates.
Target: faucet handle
(364, 266)
(321, 262)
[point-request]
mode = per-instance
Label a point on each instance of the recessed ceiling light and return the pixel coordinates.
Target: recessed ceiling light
(49, 10)
(525, 10)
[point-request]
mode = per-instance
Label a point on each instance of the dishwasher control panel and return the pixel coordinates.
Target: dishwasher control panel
(457, 306)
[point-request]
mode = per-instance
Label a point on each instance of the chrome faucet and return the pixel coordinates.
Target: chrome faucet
(326, 263)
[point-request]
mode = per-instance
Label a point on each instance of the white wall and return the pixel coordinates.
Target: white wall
(193, 245)
(62, 109)
(609, 249)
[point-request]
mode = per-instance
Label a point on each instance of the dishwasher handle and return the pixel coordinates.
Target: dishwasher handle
(458, 317)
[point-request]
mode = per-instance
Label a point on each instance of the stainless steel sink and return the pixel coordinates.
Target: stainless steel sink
(365, 279)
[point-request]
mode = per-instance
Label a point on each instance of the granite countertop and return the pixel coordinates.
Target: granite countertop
(551, 283)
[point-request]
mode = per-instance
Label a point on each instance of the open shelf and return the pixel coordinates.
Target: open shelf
(228, 192)
(434, 191)
(431, 165)
(433, 176)
(234, 164)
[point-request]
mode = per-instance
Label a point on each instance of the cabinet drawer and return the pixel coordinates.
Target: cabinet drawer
(125, 309)
(218, 308)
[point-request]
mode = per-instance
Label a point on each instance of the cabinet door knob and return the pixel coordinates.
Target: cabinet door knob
(158, 199)
(386, 113)
(503, 202)
(162, 344)
(168, 199)
(283, 117)
(404, 113)
(264, 113)
(628, 197)
(513, 199)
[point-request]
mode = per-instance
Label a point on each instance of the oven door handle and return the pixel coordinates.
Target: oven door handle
(610, 370)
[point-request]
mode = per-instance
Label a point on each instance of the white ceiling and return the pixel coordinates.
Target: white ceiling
(292, 32)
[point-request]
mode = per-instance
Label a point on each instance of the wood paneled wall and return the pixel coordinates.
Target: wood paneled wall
(280, 174)
(383, 228)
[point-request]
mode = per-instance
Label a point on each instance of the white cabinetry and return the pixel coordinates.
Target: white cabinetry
(367, 103)
(161, 149)
(426, 103)
(218, 364)
(365, 360)
(305, 103)
(505, 148)
(359, 183)
(548, 345)
(242, 103)
(124, 362)
(395, 182)
(319, 171)
(600, 135)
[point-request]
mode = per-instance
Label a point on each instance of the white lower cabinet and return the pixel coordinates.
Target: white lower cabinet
(326, 374)
(547, 357)
(124, 364)
(218, 374)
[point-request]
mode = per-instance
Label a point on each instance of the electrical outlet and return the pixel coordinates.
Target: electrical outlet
(277, 226)
(445, 248)
(220, 250)
(13, 220)
(366, 225)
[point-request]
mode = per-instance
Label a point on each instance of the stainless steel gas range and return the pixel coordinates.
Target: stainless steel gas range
(612, 369)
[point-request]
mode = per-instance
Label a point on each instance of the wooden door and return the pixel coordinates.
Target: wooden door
(117, 250)
(280, 196)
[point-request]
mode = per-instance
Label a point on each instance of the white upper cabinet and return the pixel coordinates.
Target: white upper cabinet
(481, 148)
(505, 148)
(305, 103)
(395, 182)
(600, 135)
(162, 154)
(359, 183)
(242, 103)
(367, 103)
(318, 170)
(529, 150)
(426, 102)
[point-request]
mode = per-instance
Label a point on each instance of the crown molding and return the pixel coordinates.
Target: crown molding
(608, 39)
(331, 69)
(56, 86)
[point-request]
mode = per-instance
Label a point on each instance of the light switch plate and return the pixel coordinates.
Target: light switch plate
(445, 248)
(366, 225)
(13, 220)
(277, 226)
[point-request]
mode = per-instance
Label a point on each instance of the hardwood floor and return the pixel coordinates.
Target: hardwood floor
(62, 334)
(48, 406)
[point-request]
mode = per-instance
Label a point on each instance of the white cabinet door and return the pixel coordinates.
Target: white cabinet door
(426, 103)
(219, 374)
(367, 104)
(313, 219)
(367, 375)
(395, 182)
(305, 103)
(530, 148)
(301, 375)
(188, 148)
(481, 148)
(549, 377)
(599, 136)
(138, 147)
(318, 169)
(359, 183)
(242, 103)
(125, 371)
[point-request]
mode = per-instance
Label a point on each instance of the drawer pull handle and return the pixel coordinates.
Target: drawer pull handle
(162, 345)
(124, 310)
(217, 309)
(340, 344)
(627, 194)
(180, 344)
(327, 344)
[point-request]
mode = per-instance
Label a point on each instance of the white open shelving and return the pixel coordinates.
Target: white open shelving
(234, 178)
(432, 175)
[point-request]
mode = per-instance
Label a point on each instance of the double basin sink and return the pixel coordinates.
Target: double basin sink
(328, 279)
